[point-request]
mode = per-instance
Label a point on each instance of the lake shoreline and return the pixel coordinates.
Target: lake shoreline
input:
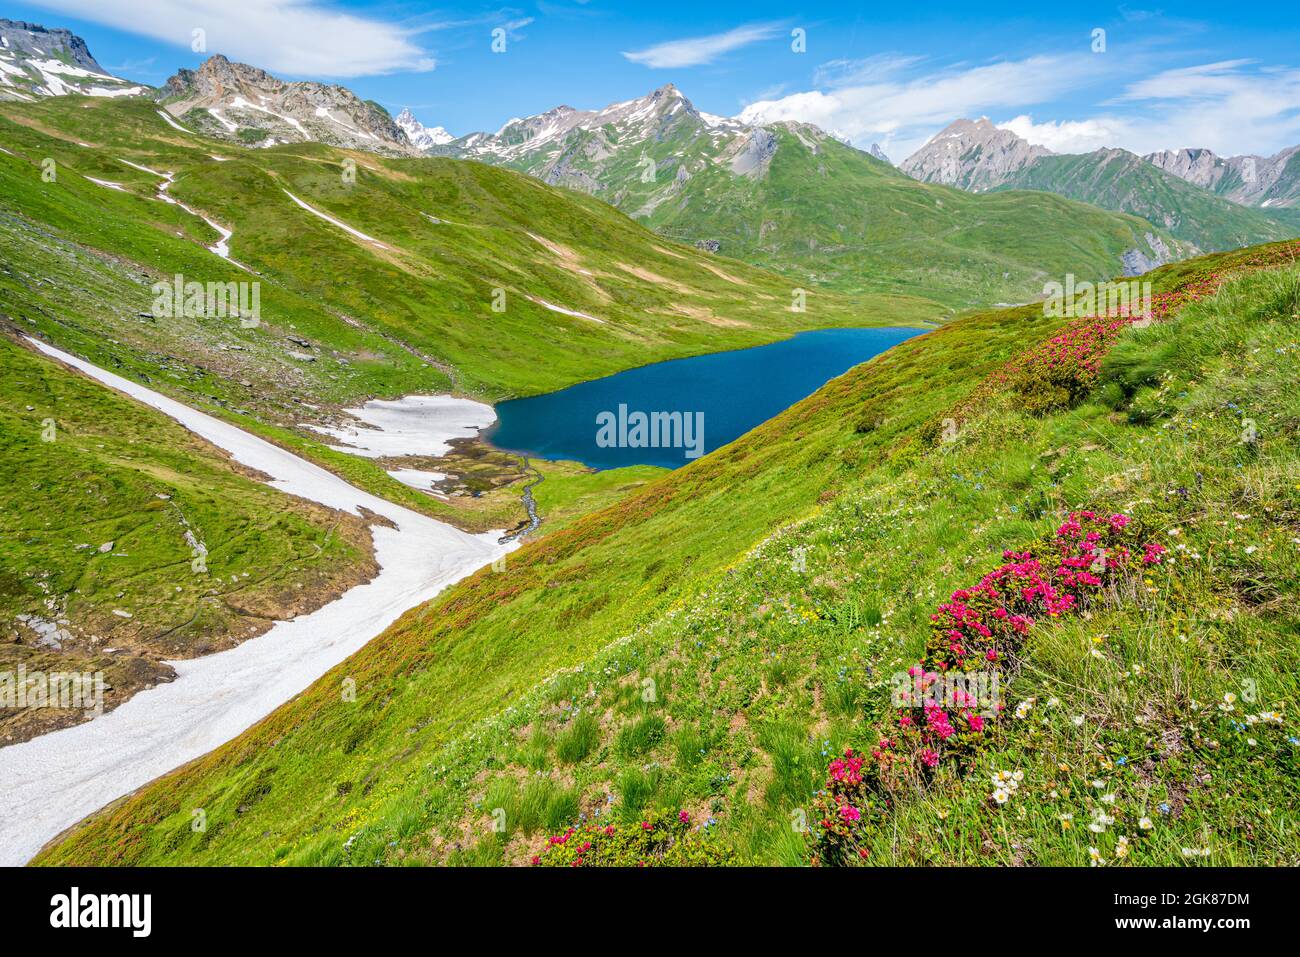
(730, 392)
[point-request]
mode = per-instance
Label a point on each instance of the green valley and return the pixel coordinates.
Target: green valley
(646, 656)
(794, 199)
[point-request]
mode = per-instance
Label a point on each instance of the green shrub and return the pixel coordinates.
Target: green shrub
(578, 740)
(641, 737)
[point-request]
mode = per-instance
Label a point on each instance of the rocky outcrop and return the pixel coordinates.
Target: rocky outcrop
(238, 102)
(1137, 261)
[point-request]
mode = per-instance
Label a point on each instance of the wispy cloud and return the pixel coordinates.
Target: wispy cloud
(1229, 106)
(1068, 136)
(298, 37)
(512, 27)
(885, 100)
(694, 51)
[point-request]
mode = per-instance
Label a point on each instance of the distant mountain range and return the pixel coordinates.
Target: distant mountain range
(1214, 203)
(1253, 180)
(791, 197)
(952, 224)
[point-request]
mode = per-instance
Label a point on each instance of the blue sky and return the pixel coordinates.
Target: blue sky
(1226, 76)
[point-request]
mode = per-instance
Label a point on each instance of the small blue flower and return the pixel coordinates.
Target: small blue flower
(1164, 808)
(1121, 761)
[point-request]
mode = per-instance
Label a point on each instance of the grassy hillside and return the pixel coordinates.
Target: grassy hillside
(1119, 180)
(344, 319)
(649, 656)
(410, 308)
(126, 541)
(829, 215)
(838, 216)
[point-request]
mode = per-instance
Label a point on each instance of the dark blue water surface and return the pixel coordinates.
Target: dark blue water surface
(728, 392)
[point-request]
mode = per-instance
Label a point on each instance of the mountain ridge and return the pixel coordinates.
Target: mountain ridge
(1267, 182)
(791, 197)
(977, 156)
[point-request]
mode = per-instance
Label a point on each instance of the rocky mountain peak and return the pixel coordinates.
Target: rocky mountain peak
(421, 136)
(244, 103)
(34, 40)
(971, 154)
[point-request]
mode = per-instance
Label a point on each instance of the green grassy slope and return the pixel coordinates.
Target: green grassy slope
(824, 213)
(342, 320)
(1119, 180)
(843, 216)
(768, 636)
(102, 513)
(373, 314)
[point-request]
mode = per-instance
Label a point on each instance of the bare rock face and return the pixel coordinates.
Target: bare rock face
(1199, 167)
(36, 62)
(1250, 180)
(1136, 261)
(971, 154)
(238, 102)
(753, 153)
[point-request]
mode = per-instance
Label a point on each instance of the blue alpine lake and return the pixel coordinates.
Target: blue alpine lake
(671, 412)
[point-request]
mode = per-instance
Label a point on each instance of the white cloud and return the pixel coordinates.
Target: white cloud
(1068, 136)
(695, 51)
(298, 37)
(876, 101)
(1231, 106)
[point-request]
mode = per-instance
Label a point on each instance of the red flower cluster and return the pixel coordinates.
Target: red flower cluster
(982, 627)
(1060, 371)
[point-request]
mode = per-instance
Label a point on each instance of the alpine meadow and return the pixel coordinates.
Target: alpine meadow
(745, 440)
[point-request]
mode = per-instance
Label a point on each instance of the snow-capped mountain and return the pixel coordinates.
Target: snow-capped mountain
(38, 62)
(636, 153)
(660, 112)
(422, 137)
(971, 154)
(242, 103)
(1266, 181)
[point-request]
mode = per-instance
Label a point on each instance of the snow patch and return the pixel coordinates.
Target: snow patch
(412, 425)
(415, 478)
(330, 219)
(567, 312)
(55, 780)
(167, 117)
